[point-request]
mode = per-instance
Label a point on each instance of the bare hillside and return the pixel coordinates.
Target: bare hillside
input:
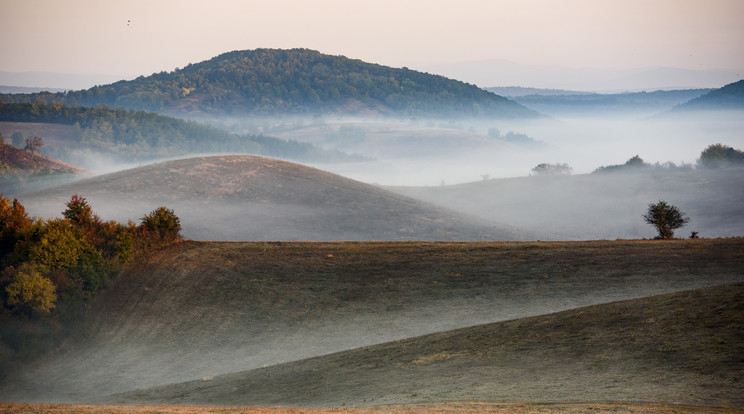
(26, 162)
(203, 309)
(256, 198)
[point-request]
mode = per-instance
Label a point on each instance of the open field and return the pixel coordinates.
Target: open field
(442, 408)
(681, 348)
(228, 311)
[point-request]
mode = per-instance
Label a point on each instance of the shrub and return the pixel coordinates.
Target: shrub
(163, 223)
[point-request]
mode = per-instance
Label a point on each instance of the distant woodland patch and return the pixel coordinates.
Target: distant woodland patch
(139, 135)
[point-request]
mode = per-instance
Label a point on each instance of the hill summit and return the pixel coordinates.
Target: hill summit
(297, 81)
(241, 197)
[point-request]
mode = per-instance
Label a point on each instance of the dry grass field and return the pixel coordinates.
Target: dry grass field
(599, 206)
(328, 324)
(442, 408)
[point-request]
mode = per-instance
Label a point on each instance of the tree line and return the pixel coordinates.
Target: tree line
(131, 135)
(50, 268)
(713, 156)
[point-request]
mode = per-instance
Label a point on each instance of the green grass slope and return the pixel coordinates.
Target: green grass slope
(256, 198)
(683, 348)
(203, 309)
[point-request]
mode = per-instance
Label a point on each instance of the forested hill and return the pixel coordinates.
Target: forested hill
(730, 96)
(127, 135)
(300, 81)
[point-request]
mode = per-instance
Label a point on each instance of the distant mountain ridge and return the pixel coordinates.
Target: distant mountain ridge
(730, 96)
(569, 102)
(297, 81)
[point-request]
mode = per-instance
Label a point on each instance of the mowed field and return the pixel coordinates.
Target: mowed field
(544, 326)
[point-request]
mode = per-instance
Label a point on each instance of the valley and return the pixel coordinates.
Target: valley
(365, 238)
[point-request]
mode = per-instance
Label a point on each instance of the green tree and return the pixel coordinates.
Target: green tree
(79, 212)
(163, 223)
(552, 169)
(719, 155)
(635, 162)
(665, 218)
(30, 291)
(55, 244)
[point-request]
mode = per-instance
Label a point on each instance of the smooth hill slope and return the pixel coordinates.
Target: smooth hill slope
(599, 206)
(683, 348)
(202, 309)
(298, 81)
(255, 198)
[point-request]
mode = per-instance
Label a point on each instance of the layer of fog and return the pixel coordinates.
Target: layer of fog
(432, 153)
(136, 355)
(438, 154)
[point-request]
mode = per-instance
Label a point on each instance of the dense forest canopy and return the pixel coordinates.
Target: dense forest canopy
(297, 81)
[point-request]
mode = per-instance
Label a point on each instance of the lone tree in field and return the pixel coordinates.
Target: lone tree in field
(33, 144)
(666, 218)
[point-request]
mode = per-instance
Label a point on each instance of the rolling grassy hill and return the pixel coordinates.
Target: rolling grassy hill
(296, 81)
(22, 170)
(599, 206)
(255, 198)
(202, 309)
(680, 348)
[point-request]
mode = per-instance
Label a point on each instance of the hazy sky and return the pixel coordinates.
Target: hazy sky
(133, 37)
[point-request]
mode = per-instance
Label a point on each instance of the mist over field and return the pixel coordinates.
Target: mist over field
(330, 205)
(435, 152)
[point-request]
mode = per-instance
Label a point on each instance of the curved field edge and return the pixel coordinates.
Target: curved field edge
(204, 309)
(441, 408)
(679, 348)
